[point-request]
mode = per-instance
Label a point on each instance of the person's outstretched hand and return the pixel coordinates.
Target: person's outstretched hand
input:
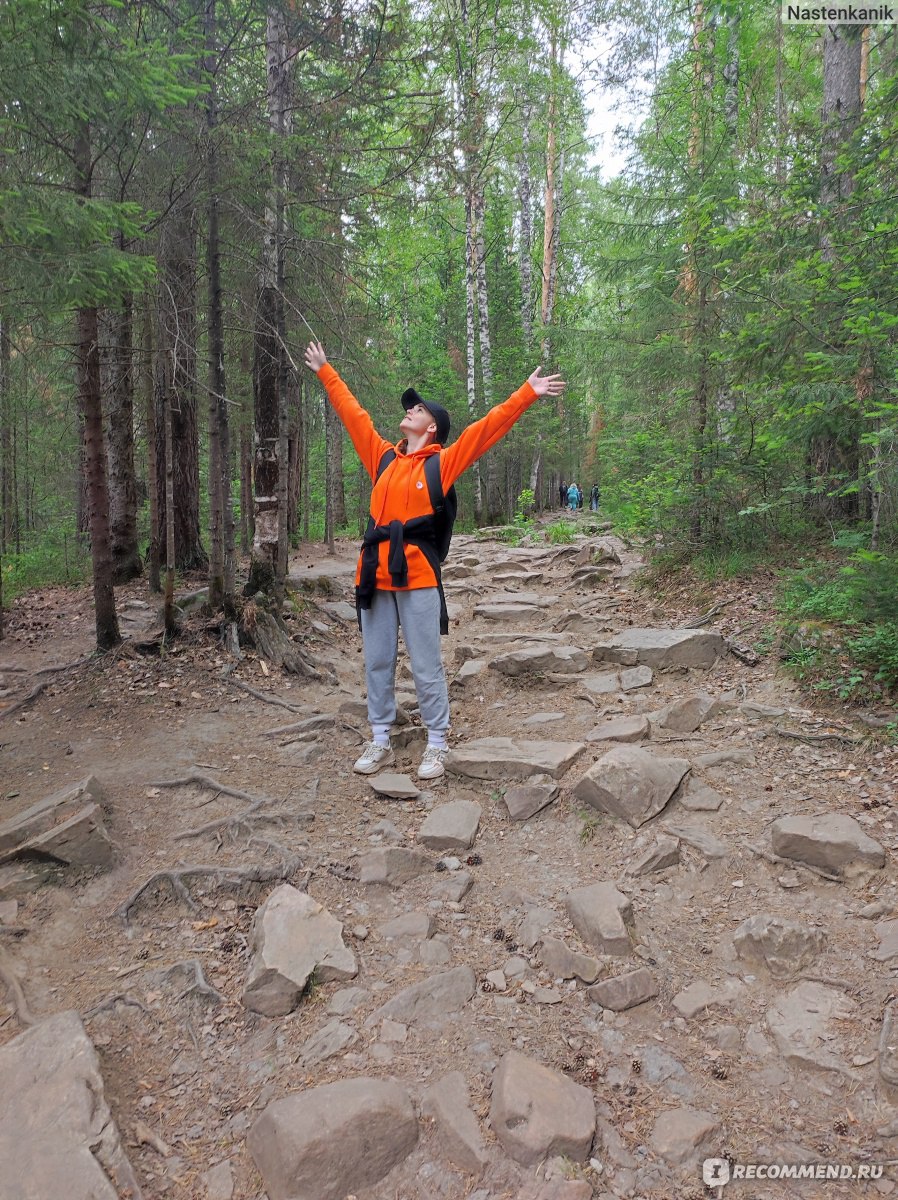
(315, 356)
(546, 385)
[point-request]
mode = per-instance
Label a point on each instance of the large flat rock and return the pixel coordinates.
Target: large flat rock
(67, 826)
(662, 648)
(431, 999)
(293, 936)
(562, 660)
(807, 1024)
(631, 783)
(334, 1140)
(537, 1112)
(57, 1135)
(507, 758)
(833, 841)
(451, 826)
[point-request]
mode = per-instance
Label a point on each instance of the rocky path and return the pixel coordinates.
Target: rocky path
(647, 919)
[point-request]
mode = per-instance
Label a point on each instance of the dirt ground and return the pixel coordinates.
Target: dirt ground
(188, 1069)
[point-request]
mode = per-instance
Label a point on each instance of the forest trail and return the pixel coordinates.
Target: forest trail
(635, 997)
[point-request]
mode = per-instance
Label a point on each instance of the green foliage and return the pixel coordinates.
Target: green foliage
(841, 625)
(56, 556)
(560, 533)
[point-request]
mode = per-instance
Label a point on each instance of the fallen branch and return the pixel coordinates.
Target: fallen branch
(199, 983)
(705, 618)
(146, 1137)
(110, 1002)
(222, 876)
(775, 859)
(817, 737)
(267, 697)
(16, 996)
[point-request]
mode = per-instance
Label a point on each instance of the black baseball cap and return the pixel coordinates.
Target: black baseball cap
(410, 398)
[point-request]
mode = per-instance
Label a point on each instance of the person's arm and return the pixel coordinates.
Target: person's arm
(474, 441)
(369, 445)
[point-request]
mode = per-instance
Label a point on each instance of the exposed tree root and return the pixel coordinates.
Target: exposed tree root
(775, 859)
(16, 996)
(817, 737)
(275, 644)
(197, 779)
(267, 697)
(244, 820)
(220, 875)
(199, 984)
(26, 700)
(108, 1005)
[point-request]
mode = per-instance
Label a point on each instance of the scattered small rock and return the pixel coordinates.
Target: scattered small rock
(451, 826)
(624, 991)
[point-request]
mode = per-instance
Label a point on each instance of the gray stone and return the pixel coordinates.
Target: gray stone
(636, 677)
(887, 932)
(564, 963)
(347, 1000)
(434, 953)
(624, 991)
(527, 799)
(696, 999)
(833, 841)
(602, 916)
(784, 947)
(394, 865)
(396, 787)
(505, 758)
(545, 718)
(756, 712)
(603, 684)
(631, 783)
(622, 729)
(448, 1102)
(451, 826)
(9, 910)
(386, 829)
(805, 1022)
(562, 660)
(507, 612)
(416, 925)
(545, 995)
(292, 937)
(664, 852)
(662, 648)
(698, 797)
(218, 1181)
(497, 980)
(470, 670)
(431, 999)
(80, 841)
(330, 1039)
(40, 817)
(888, 1045)
(22, 878)
(536, 921)
(57, 1135)
(698, 838)
(686, 714)
(682, 1134)
(393, 1031)
(732, 757)
(341, 610)
(537, 1112)
(453, 888)
(326, 1142)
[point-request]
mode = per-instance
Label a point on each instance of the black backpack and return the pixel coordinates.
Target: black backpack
(445, 507)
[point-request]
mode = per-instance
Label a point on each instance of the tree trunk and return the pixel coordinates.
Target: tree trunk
(842, 55)
(336, 492)
(122, 479)
(7, 422)
(486, 350)
(525, 200)
(176, 383)
(90, 406)
(149, 364)
(470, 335)
(221, 564)
(247, 528)
(268, 373)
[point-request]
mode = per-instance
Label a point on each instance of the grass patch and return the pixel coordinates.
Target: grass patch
(57, 557)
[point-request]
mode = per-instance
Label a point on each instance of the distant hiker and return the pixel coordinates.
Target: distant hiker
(562, 493)
(572, 497)
(594, 498)
(398, 575)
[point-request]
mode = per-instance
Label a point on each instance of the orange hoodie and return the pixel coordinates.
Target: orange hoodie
(401, 492)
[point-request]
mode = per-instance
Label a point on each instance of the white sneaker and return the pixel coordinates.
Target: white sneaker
(372, 758)
(432, 763)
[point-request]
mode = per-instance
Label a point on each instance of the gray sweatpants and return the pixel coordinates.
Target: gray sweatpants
(418, 611)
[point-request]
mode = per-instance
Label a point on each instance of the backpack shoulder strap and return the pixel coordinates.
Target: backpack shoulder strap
(434, 483)
(386, 458)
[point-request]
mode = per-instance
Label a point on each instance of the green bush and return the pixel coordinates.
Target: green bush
(56, 556)
(561, 533)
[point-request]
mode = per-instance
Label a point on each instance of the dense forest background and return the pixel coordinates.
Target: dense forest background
(190, 191)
